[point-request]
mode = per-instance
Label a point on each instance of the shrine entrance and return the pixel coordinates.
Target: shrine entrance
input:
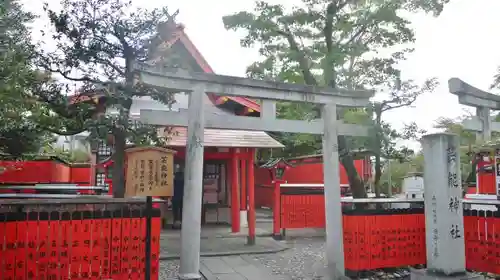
(197, 119)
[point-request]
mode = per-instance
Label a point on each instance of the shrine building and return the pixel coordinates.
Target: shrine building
(228, 153)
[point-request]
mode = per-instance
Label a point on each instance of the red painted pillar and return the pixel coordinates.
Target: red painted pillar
(251, 199)
(235, 200)
(243, 195)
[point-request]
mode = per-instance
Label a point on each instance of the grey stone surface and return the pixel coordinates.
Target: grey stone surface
(484, 103)
(333, 208)
(232, 276)
(218, 265)
(170, 247)
(236, 267)
(444, 220)
(305, 260)
(169, 270)
(193, 191)
(214, 121)
(225, 82)
(423, 274)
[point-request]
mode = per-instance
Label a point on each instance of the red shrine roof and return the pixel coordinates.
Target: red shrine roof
(178, 35)
(213, 137)
(217, 137)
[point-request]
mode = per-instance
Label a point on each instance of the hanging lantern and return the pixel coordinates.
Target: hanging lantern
(277, 167)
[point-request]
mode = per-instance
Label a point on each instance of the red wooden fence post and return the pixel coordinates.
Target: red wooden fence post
(244, 185)
(235, 200)
(277, 210)
(251, 199)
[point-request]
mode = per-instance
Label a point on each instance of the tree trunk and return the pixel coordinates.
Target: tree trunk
(378, 139)
(378, 175)
(357, 185)
(119, 164)
(120, 131)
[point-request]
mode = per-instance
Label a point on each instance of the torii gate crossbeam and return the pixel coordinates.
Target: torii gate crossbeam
(483, 101)
(197, 84)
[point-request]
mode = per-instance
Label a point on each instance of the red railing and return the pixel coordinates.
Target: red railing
(79, 239)
(390, 238)
(482, 240)
(302, 208)
(375, 239)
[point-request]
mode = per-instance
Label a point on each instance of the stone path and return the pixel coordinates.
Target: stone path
(235, 268)
(218, 240)
(223, 268)
(170, 248)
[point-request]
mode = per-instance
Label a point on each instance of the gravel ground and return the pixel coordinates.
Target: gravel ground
(306, 261)
(169, 269)
(303, 261)
(298, 263)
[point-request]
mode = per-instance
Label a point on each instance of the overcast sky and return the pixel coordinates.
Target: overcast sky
(463, 42)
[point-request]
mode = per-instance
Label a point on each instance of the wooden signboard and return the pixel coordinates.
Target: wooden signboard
(150, 172)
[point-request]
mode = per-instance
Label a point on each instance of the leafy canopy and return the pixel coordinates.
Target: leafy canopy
(21, 132)
(342, 43)
(97, 44)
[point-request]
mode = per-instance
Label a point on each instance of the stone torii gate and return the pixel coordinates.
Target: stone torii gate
(481, 123)
(196, 119)
(483, 101)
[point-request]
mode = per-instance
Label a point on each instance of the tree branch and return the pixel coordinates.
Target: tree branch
(304, 64)
(328, 30)
(329, 65)
(356, 35)
(386, 104)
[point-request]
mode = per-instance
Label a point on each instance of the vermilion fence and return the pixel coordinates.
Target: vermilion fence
(390, 238)
(79, 239)
(375, 239)
(482, 240)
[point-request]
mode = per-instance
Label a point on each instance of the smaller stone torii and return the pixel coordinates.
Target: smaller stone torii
(483, 101)
(482, 122)
(196, 119)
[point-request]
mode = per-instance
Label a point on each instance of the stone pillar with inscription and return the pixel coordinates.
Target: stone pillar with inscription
(443, 210)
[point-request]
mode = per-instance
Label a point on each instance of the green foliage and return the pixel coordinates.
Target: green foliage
(20, 130)
(334, 43)
(397, 170)
(467, 144)
(71, 156)
(98, 42)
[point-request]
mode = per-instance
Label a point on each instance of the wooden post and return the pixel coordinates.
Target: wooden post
(276, 209)
(243, 190)
(243, 202)
(251, 199)
(235, 200)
